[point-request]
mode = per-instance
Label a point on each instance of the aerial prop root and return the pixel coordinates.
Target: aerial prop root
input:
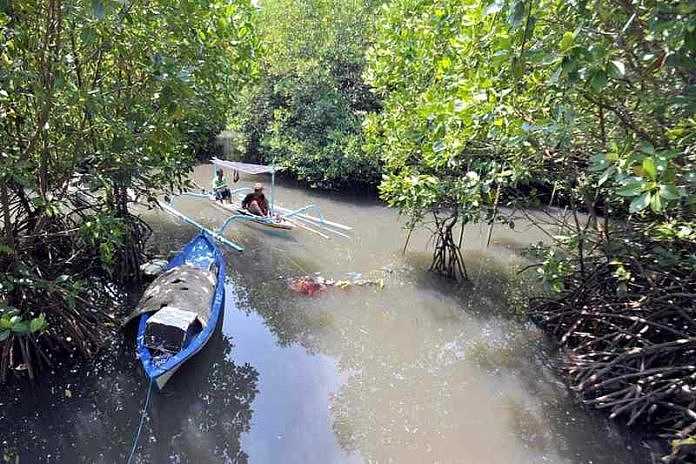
(447, 257)
(630, 350)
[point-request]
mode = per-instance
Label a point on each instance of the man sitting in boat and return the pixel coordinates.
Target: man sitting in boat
(220, 188)
(256, 202)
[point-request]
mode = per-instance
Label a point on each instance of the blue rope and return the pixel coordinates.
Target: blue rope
(142, 421)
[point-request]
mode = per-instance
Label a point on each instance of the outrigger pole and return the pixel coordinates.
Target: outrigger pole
(174, 212)
(299, 213)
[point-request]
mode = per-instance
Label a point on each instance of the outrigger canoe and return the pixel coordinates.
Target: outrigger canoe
(281, 219)
(192, 284)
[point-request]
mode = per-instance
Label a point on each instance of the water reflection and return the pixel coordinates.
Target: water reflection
(201, 417)
(292, 421)
(91, 415)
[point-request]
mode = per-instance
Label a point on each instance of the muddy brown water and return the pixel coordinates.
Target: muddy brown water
(421, 371)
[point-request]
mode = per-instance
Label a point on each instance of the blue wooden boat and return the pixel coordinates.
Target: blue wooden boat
(202, 253)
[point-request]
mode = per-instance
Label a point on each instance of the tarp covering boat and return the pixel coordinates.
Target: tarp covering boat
(186, 287)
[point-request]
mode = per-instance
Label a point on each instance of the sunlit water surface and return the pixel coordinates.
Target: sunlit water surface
(421, 371)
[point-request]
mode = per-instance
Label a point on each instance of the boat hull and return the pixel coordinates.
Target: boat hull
(255, 220)
(202, 252)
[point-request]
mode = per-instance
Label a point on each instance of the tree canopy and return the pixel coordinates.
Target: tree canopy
(487, 93)
(305, 111)
(590, 100)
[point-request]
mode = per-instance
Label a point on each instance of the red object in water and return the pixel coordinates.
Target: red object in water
(306, 286)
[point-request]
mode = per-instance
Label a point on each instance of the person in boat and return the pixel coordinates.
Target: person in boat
(220, 188)
(256, 202)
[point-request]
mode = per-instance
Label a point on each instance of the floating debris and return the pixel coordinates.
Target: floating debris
(307, 285)
(311, 285)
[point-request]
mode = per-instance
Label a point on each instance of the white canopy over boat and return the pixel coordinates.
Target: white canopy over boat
(247, 168)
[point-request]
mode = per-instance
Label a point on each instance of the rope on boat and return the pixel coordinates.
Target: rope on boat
(142, 421)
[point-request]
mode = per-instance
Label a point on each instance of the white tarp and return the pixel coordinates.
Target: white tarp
(247, 168)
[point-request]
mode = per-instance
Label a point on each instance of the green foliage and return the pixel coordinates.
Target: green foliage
(554, 271)
(12, 323)
(597, 107)
(450, 134)
(104, 233)
(102, 103)
(306, 110)
(117, 91)
(119, 94)
(554, 267)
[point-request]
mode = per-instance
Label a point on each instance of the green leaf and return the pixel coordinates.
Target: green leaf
(4, 335)
(566, 42)
(607, 174)
(517, 68)
(517, 14)
(599, 80)
(690, 40)
(649, 167)
(37, 324)
(631, 189)
(98, 8)
(556, 75)
(439, 146)
(5, 249)
(599, 163)
(669, 192)
(639, 203)
(444, 63)
(646, 147)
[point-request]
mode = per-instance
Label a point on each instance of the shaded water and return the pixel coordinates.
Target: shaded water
(421, 371)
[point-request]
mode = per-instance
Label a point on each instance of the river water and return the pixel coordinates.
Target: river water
(419, 371)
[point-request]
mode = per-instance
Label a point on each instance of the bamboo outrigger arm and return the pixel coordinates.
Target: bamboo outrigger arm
(217, 236)
(299, 213)
(321, 222)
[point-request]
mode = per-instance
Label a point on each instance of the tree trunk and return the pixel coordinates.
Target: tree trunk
(447, 257)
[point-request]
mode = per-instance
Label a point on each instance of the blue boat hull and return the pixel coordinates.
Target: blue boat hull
(200, 252)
